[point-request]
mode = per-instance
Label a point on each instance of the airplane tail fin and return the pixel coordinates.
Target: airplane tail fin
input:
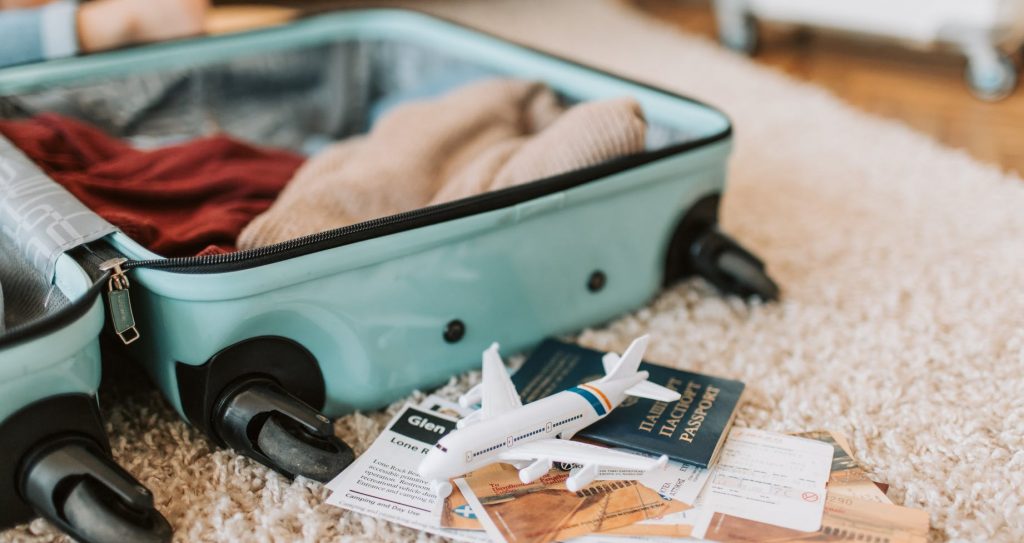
(620, 367)
(616, 367)
(492, 358)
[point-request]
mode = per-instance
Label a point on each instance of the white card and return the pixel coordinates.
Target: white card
(383, 482)
(768, 477)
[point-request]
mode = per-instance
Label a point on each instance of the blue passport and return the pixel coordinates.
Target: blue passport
(689, 430)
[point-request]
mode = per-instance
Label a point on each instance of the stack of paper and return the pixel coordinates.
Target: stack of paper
(764, 487)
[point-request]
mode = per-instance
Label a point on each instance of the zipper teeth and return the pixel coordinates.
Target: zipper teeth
(186, 262)
(284, 246)
(615, 166)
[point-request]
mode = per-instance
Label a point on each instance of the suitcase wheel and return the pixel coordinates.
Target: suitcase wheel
(259, 419)
(738, 30)
(730, 267)
(296, 450)
(90, 497)
(698, 248)
(98, 515)
(991, 80)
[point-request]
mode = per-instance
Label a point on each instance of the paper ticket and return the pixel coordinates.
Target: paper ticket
(767, 477)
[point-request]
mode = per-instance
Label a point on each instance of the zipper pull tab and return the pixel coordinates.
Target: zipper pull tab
(119, 301)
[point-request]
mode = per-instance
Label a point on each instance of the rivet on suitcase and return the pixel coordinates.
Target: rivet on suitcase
(255, 347)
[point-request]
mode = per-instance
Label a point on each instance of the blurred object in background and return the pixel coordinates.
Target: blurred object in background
(982, 30)
(923, 89)
(239, 18)
(22, 4)
(35, 30)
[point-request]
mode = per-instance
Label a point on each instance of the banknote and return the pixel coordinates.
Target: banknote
(847, 478)
(545, 511)
(676, 480)
(650, 529)
(845, 519)
(457, 514)
(647, 531)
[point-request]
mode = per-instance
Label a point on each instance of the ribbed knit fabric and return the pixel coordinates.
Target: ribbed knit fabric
(484, 136)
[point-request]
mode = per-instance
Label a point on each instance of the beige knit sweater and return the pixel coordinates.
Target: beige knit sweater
(480, 137)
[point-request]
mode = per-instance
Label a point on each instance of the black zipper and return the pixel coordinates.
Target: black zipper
(409, 220)
(50, 323)
(346, 235)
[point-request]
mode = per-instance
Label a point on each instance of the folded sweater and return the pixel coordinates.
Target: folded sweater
(180, 200)
(478, 138)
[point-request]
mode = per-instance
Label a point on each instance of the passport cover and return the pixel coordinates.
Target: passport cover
(690, 430)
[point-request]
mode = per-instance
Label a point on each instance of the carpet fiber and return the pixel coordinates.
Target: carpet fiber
(902, 323)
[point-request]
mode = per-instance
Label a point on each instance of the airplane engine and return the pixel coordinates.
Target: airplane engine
(473, 418)
(472, 396)
(534, 471)
(441, 489)
(579, 478)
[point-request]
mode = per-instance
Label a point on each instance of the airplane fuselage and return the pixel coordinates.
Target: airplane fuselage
(558, 416)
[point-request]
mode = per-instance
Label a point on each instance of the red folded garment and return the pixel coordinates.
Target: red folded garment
(181, 200)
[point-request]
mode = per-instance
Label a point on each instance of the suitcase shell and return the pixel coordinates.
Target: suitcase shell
(357, 318)
(50, 424)
(60, 358)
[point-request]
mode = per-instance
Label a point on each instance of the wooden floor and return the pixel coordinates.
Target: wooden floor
(923, 89)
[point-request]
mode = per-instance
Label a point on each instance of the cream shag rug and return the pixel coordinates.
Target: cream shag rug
(902, 323)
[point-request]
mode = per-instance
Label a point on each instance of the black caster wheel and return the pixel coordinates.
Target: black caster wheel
(730, 267)
(259, 419)
(698, 248)
(747, 274)
(99, 516)
(995, 83)
(74, 485)
(296, 450)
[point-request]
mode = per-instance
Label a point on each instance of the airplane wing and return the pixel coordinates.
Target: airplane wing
(496, 392)
(574, 452)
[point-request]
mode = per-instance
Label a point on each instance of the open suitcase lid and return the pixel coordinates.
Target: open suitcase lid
(44, 289)
(411, 27)
(677, 123)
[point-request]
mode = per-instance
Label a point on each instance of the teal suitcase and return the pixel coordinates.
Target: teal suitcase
(257, 348)
(55, 457)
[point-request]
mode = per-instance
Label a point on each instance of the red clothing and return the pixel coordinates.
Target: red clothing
(176, 201)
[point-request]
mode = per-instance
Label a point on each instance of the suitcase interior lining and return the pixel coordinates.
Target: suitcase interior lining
(25, 294)
(295, 98)
(298, 99)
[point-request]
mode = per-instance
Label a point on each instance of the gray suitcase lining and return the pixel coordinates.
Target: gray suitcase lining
(25, 293)
(295, 99)
(39, 221)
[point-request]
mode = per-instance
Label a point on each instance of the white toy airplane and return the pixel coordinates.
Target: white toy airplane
(534, 436)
